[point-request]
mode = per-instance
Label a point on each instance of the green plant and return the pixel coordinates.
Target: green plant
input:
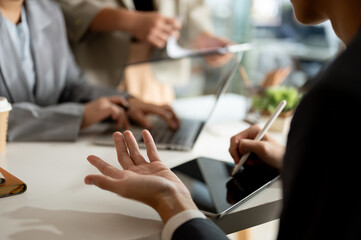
(271, 97)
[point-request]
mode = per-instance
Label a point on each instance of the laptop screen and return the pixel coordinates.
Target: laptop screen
(197, 84)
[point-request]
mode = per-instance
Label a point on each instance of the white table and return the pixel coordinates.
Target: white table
(58, 205)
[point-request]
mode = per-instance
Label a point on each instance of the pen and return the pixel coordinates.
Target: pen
(261, 134)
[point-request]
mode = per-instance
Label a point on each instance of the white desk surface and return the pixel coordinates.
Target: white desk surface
(58, 205)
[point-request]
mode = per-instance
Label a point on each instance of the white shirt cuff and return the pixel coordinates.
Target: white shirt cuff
(178, 220)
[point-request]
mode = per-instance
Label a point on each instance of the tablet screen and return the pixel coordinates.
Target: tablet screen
(214, 190)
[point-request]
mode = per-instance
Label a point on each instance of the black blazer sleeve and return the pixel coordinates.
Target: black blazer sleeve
(199, 229)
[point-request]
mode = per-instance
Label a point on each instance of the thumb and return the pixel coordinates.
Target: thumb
(103, 182)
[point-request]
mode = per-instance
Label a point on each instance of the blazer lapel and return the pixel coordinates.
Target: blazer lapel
(38, 21)
(11, 68)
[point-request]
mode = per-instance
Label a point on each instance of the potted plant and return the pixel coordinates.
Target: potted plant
(267, 100)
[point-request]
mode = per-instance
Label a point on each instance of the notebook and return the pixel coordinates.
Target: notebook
(10, 185)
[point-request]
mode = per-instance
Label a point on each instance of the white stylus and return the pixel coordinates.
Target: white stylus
(261, 134)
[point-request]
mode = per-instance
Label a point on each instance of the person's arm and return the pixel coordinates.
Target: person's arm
(30, 122)
(154, 184)
(83, 16)
(196, 20)
(151, 27)
(198, 32)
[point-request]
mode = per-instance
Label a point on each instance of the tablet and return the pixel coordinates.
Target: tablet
(213, 188)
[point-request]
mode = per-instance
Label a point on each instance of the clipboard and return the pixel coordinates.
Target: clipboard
(174, 51)
(10, 185)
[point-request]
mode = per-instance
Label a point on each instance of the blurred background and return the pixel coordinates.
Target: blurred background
(285, 54)
(281, 43)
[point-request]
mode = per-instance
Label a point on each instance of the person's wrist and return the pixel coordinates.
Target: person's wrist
(172, 203)
(133, 18)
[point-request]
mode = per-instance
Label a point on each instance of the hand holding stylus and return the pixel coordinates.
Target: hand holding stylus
(261, 134)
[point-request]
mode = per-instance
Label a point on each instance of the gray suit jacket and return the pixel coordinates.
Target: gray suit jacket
(53, 111)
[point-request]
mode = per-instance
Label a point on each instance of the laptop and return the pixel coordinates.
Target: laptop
(193, 117)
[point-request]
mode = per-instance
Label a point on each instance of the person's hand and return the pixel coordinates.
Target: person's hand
(154, 28)
(207, 40)
(138, 111)
(104, 107)
(267, 150)
(151, 182)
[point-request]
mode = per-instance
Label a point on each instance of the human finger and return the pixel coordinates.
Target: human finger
(114, 111)
(140, 118)
(221, 41)
(122, 151)
(162, 36)
(173, 114)
(233, 149)
(247, 145)
(176, 25)
(217, 60)
(103, 166)
(168, 115)
(156, 41)
(122, 119)
(152, 151)
(166, 28)
(104, 182)
(249, 133)
(119, 100)
(134, 152)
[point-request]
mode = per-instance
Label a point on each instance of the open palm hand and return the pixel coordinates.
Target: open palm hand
(148, 182)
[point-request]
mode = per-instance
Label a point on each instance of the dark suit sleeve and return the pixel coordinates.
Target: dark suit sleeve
(199, 229)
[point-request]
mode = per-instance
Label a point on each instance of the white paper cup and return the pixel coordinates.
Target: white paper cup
(5, 108)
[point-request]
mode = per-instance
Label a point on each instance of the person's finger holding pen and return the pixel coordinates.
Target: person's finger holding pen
(250, 133)
(267, 150)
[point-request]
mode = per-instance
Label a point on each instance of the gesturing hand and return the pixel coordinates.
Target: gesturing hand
(149, 182)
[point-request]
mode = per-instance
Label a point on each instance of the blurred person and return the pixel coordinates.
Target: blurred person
(106, 35)
(319, 164)
(51, 98)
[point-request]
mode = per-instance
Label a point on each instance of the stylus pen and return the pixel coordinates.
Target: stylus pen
(261, 134)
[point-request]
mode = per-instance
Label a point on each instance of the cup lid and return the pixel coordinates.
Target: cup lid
(4, 105)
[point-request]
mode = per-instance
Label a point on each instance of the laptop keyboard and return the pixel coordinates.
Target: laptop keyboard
(184, 135)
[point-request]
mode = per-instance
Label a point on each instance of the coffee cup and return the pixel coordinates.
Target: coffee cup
(5, 108)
